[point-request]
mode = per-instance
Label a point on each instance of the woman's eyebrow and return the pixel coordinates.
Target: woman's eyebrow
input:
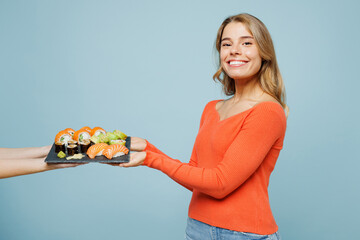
(242, 37)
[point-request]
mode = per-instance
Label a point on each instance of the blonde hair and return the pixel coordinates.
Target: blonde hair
(269, 76)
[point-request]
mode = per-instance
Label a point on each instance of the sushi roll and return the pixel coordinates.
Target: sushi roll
(70, 131)
(119, 141)
(103, 138)
(120, 134)
(72, 150)
(115, 150)
(72, 142)
(94, 140)
(96, 150)
(84, 146)
(96, 131)
(88, 129)
(81, 135)
(59, 146)
(111, 136)
(63, 137)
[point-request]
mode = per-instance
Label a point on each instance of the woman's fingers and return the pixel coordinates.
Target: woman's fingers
(137, 144)
(111, 164)
(136, 159)
(64, 165)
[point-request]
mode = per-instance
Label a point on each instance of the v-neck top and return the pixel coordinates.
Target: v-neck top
(230, 167)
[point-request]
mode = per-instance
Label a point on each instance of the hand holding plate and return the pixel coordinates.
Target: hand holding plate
(137, 144)
(136, 159)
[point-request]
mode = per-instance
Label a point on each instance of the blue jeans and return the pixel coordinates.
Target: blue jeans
(196, 230)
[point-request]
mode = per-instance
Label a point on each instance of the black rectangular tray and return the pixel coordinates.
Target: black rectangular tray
(53, 158)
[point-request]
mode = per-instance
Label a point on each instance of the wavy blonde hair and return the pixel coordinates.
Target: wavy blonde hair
(269, 76)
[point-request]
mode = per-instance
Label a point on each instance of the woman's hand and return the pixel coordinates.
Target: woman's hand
(53, 166)
(138, 155)
(137, 144)
(136, 159)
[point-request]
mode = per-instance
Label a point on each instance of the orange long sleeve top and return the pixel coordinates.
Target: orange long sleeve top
(230, 167)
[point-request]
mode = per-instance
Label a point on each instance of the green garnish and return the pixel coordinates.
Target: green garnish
(61, 154)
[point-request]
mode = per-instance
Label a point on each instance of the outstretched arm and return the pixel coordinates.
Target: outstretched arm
(22, 153)
(22, 161)
(248, 150)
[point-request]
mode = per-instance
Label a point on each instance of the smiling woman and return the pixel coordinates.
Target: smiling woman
(238, 143)
(244, 39)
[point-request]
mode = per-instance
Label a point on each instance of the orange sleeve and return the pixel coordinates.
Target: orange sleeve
(262, 128)
(193, 158)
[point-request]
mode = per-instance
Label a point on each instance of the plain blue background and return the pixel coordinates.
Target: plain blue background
(145, 67)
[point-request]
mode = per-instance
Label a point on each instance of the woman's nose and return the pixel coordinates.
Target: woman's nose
(235, 49)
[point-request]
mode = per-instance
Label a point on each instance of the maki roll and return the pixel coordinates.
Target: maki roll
(59, 146)
(63, 137)
(72, 142)
(81, 135)
(96, 131)
(84, 146)
(72, 150)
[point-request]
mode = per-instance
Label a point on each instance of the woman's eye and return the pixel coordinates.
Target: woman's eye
(247, 43)
(226, 45)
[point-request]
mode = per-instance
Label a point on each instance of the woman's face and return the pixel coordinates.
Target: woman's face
(239, 55)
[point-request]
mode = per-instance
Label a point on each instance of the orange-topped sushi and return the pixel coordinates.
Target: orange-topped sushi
(81, 135)
(63, 137)
(88, 129)
(96, 131)
(115, 150)
(96, 150)
(70, 131)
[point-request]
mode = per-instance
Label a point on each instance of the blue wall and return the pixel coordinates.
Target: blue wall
(145, 67)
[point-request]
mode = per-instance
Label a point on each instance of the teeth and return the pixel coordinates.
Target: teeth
(236, 62)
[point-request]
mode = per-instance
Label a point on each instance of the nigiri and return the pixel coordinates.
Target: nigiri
(115, 150)
(96, 131)
(81, 135)
(62, 137)
(96, 150)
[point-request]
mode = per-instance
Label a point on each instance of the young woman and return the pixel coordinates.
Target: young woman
(21, 161)
(238, 142)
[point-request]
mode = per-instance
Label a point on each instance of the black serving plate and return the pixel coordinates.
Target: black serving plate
(53, 158)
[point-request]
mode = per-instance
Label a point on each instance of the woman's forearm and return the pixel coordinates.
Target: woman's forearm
(23, 153)
(16, 167)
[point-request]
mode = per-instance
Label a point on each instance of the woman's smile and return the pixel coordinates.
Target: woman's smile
(239, 54)
(236, 63)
